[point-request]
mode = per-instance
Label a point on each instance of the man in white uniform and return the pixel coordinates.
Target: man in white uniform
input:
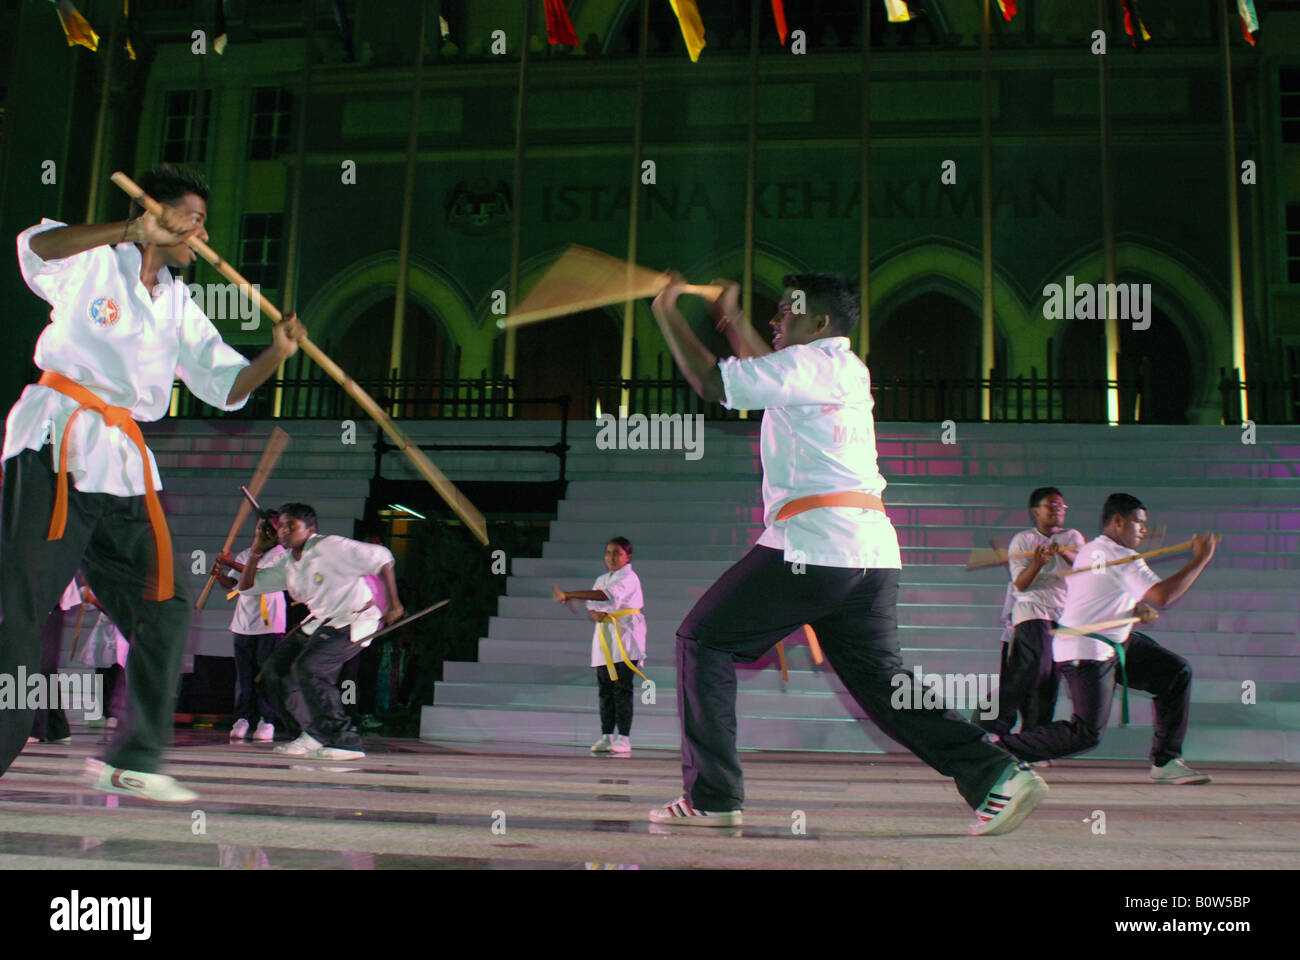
(1037, 558)
(828, 557)
(328, 575)
(122, 328)
(1089, 663)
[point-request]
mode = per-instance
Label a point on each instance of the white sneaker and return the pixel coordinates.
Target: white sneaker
(133, 783)
(111, 723)
(680, 813)
(1175, 771)
(1010, 801)
(34, 740)
(304, 745)
(603, 745)
(621, 746)
(334, 753)
(240, 730)
(264, 731)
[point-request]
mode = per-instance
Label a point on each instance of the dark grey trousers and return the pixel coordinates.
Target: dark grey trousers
(761, 600)
(110, 538)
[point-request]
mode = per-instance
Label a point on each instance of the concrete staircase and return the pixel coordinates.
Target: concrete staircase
(690, 519)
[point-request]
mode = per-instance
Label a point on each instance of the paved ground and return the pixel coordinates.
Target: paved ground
(410, 804)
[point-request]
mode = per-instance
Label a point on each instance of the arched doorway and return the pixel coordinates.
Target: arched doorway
(1157, 380)
(925, 359)
(563, 356)
(427, 356)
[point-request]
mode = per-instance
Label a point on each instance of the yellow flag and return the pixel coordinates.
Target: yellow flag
(896, 11)
(75, 27)
(688, 15)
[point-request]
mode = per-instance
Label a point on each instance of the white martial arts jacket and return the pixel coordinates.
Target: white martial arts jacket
(123, 343)
(818, 436)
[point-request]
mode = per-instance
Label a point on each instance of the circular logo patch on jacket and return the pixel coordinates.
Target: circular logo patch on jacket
(318, 578)
(104, 311)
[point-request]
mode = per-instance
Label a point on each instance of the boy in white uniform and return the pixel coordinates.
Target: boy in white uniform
(828, 557)
(1088, 663)
(614, 603)
(1038, 557)
(257, 627)
(328, 575)
(122, 328)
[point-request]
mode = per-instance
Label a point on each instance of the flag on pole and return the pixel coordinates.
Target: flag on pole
(130, 28)
(219, 28)
(1008, 8)
(896, 11)
(688, 16)
(1249, 22)
(1133, 24)
(559, 28)
(76, 27)
(778, 14)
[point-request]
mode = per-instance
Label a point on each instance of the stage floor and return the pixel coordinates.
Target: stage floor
(415, 805)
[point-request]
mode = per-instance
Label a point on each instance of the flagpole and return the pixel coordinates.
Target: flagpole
(101, 123)
(986, 207)
(295, 197)
(517, 191)
(1108, 225)
(864, 193)
(751, 173)
(1234, 226)
(408, 204)
(634, 213)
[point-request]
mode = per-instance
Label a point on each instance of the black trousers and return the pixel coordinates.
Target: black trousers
(302, 677)
(110, 538)
(251, 701)
(761, 600)
(1028, 685)
(1160, 672)
(615, 699)
(51, 724)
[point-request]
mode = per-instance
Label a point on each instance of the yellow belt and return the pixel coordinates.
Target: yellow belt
(613, 618)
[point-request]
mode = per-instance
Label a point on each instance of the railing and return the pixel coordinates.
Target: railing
(1274, 401)
(320, 398)
(1019, 399)
(559, 449)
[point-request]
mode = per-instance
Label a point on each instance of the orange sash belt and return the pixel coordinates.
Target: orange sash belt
(118, 417)
(845, 498)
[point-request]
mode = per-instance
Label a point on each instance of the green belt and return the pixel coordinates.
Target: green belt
(1123, 675)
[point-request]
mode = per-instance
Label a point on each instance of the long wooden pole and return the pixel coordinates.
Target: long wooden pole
(517, 189)
(1108, 225)
(1185, 545)
(467, 512)
(270, 456)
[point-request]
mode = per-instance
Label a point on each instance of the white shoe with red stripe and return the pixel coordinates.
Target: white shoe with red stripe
(681, 813)
(1010, 801)
(134, 783)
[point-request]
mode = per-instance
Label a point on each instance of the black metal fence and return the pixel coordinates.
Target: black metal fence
(1273, 401)
(1020, 399)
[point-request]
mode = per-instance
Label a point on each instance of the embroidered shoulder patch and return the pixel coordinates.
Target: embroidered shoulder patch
(104, 312)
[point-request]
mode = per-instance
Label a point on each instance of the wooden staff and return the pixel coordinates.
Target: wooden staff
(270, 456)
(584, 279)
(1185, 545)
(76, 633)
(1094, 627)
(979, 558)
(465, 510)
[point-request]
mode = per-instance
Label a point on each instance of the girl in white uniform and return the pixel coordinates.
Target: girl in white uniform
(614, 604)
